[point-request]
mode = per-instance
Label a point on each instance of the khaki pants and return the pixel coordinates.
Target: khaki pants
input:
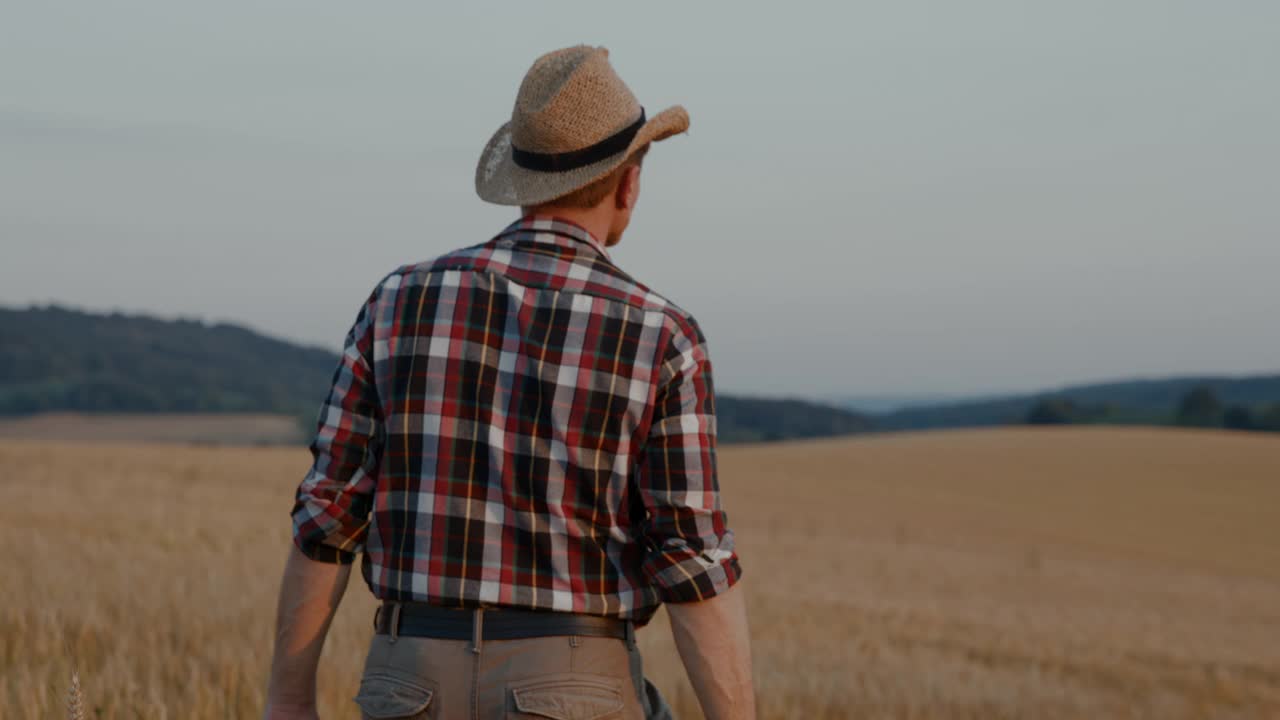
(557, 678)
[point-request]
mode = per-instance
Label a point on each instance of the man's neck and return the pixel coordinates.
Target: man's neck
(596, 220)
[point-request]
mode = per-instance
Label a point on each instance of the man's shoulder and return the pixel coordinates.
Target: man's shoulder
(457, 259)
(660, 303)
(419, 271)
(644, 298)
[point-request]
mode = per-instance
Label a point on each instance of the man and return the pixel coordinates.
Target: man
(520, 440)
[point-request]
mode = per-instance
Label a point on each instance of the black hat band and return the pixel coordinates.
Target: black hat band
(574, 159)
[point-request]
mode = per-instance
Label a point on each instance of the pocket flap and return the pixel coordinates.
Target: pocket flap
(570, 697)
(385, 696)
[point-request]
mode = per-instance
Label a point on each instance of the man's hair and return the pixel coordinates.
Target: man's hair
(589, 196)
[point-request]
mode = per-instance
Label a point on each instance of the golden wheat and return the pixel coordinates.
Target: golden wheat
(999, 574)
(75, 700)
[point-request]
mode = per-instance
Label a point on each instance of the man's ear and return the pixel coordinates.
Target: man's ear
(628, 190)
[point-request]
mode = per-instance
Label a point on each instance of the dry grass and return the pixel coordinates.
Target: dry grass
(1012, 573)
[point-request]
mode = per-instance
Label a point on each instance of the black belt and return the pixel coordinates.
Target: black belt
(414, 619)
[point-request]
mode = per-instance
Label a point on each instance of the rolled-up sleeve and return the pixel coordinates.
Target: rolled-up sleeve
(689, 551)
(331, 508)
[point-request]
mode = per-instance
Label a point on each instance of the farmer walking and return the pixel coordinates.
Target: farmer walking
(520, 444)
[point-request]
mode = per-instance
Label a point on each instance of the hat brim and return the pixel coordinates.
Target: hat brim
(500, 181)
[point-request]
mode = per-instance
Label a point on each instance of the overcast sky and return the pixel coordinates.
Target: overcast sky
(883, 198)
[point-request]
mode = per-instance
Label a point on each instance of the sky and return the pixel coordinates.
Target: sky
(873, 198)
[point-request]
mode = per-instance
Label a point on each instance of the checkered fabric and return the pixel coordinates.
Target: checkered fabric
(521, 423)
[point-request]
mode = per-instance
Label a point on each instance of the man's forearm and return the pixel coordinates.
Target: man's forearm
(310, 592)
(713, 642)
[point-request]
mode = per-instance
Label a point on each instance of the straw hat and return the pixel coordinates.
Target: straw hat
(574, 121)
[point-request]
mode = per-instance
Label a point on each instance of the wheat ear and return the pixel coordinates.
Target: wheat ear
(75, 700)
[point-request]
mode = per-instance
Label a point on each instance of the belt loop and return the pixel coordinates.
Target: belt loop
(631, 635)
(394, 632)
(477, 630)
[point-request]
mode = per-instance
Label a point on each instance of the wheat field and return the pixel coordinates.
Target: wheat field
(1011, 573)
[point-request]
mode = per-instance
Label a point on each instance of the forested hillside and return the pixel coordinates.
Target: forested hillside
(53, 358)
(56, 359)
(1137, 402)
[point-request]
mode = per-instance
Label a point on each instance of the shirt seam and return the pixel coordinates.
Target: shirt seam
(679, 316)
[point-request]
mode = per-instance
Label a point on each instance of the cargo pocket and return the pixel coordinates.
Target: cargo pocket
(389, 696)
(566, 697)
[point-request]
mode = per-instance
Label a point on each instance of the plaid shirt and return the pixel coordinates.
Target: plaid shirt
(521, 423)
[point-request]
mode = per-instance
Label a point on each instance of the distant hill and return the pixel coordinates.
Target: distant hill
(54, 359)
(887, 403)
(57, 359)
(748, 419)
(1137, 402)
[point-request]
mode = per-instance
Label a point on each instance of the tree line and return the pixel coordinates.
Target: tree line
(1199, 407)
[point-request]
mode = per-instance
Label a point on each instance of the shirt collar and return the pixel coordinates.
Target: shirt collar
(555, 230)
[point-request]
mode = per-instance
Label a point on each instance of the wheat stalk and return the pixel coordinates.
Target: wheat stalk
(75, 700)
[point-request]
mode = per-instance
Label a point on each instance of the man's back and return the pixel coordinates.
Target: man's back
(520, 423)
(520, 442)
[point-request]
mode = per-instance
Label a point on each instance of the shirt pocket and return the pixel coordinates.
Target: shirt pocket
(568, 696)
(383, 696)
